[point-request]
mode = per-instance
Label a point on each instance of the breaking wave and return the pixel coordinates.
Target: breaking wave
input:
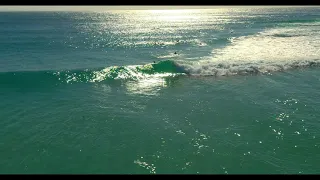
(272, 50)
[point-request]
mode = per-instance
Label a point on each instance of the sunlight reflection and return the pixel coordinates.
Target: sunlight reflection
(172, 15)
(149, 86)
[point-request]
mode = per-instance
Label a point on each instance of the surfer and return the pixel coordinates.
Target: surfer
(175, 52)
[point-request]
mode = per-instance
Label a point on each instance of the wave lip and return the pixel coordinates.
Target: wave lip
(136, 72)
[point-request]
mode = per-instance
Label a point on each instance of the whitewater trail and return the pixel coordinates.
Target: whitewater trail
(268, 51)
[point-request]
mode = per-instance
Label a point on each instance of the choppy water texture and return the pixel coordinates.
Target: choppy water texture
(226, 90)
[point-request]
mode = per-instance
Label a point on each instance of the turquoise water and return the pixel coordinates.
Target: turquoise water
(221, 91)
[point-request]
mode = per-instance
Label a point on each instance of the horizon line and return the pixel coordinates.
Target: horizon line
(120, 8)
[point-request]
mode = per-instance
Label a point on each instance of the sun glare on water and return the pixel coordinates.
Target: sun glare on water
(172, 15)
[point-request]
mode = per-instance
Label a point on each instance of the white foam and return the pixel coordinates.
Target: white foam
(271, 50)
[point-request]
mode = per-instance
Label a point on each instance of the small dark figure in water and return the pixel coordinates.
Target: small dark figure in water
(154, 62)
(175, 52)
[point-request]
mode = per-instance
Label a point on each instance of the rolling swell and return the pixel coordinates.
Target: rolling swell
(52, 78)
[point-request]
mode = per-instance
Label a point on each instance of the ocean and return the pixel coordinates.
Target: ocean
(212, 91)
